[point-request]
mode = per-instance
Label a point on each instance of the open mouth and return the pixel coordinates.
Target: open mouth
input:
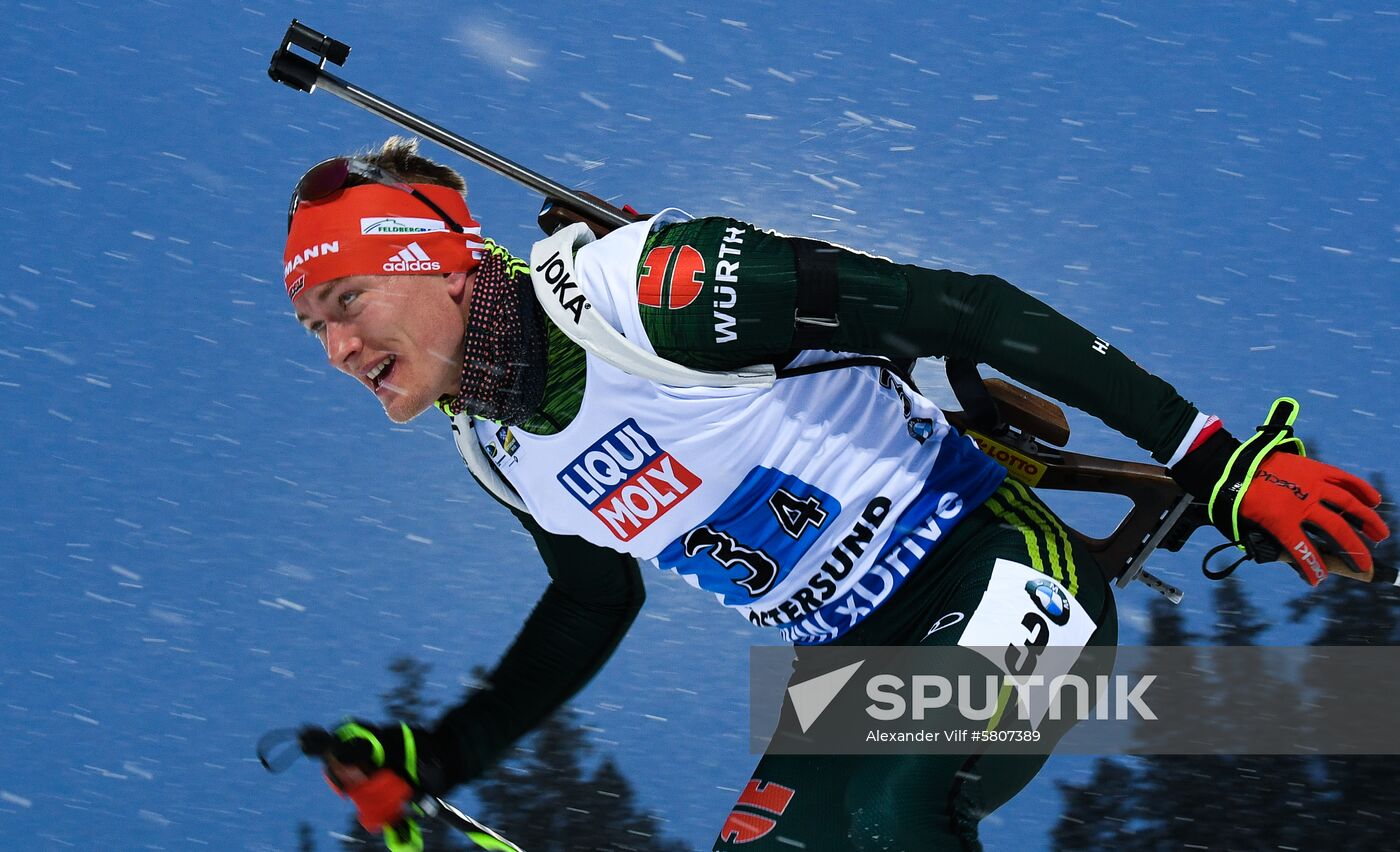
(381, 372)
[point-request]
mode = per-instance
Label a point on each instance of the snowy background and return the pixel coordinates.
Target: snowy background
(208, 534)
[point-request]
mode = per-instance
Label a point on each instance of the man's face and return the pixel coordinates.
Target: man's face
(399, 335)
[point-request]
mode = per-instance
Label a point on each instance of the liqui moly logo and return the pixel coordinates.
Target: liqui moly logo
(627, 481)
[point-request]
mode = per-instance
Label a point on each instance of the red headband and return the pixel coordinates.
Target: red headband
(378, 230)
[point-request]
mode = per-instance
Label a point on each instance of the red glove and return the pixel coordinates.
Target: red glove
(380, 799)
(382, 770)
(1310, 509)
(1264, 495)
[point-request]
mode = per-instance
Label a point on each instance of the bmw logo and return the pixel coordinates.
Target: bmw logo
(1050, 599)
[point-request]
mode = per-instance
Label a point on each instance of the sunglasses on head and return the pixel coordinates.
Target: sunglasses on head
(329, 176)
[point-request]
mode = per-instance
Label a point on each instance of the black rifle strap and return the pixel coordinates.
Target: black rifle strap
(976, 401)
(815, 321)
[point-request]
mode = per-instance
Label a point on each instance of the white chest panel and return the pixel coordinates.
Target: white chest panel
(803, 504)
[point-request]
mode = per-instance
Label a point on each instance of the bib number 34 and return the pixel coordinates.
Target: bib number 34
(758, 570)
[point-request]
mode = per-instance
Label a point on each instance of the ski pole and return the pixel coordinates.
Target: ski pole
(477, 833)
(304, 75)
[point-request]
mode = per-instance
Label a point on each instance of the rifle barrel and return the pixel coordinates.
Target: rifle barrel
(490, 159)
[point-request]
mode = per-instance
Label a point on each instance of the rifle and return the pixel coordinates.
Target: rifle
(1019, 429)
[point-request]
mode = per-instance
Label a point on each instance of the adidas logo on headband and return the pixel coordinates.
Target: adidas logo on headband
(411, 259)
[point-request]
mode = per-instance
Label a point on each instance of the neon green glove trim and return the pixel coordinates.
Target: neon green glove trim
(351, 730)
(486, 841)
(1274, 434)
(412, 843)
(410, 753)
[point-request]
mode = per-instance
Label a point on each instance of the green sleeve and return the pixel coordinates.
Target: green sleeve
(982, 317)
(591, 601)
(718, 294)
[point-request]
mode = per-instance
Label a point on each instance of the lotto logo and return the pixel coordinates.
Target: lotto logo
(627, 481)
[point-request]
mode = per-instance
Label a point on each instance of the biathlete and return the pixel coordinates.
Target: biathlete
(732, 403)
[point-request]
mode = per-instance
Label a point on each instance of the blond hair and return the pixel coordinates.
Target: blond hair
(399, 156)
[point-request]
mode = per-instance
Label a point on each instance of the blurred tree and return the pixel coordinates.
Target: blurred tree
(1098, 813)
(1353, 797)
(547, 801)
(633, 828)
(305, 841)
(1173, 795)
(405, 701)
(1252, 801)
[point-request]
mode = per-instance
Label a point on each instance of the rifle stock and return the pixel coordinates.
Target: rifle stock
(556, 214)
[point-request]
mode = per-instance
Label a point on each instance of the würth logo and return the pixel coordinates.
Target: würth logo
(766, 797)
(411, 259)
(627, 480)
